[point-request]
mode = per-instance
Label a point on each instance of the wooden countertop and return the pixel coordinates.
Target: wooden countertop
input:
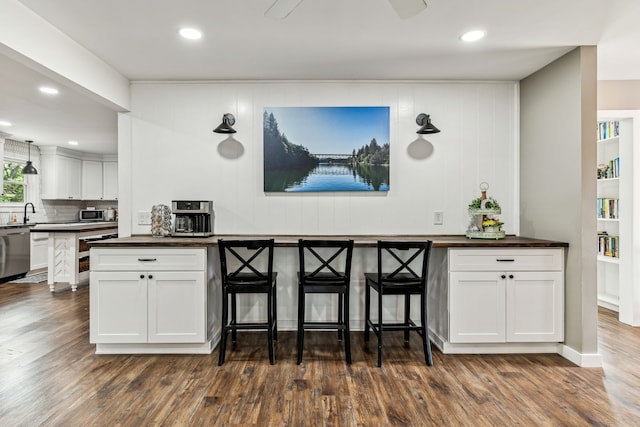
(439, 241)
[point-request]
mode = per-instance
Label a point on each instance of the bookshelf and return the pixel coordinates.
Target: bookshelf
(616, 218)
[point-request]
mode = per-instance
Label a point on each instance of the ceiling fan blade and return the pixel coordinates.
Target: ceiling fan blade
(408, 8)
(280, 9)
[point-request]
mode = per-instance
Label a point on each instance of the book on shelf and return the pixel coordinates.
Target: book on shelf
(608, 245)
(608, 208)
(608, 129)
(609, 170)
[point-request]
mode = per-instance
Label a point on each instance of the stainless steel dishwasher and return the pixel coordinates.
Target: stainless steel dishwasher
(15, 251)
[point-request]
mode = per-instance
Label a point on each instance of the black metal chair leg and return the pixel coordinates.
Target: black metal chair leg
(379, 329)
(234, 332)
(223, 331)
(426, 343)
(340, 314)
(300, 324)
(275, 311)
(407, 316)
(272, 358)
(367, 309)
(347, 336)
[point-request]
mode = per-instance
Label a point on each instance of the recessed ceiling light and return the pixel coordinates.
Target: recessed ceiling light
(190, 33)
(472, 36)
(49, 90)
(73, 142)
(4, 123)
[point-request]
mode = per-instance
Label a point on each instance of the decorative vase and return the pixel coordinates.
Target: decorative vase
(491, 229)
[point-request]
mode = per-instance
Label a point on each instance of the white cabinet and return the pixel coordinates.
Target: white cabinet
(148, 295)
(99, 180)
(506, 295)
(110, 180)
(39, 244)
(118, 307)
(60, 177)
(91, 180)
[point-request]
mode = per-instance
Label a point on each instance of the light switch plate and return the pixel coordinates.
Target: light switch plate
(144, 218)
(438, 218)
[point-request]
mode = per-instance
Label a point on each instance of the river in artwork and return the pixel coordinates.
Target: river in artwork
(331, 177)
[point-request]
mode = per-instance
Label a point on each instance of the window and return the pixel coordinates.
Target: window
(13, 183)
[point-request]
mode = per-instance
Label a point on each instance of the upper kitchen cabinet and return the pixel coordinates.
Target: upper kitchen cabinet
(73, 175)
(92, 180)
(110, 180)
(99, 180)
(60, 175)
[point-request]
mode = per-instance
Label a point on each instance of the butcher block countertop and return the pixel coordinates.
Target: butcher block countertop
(439, 241)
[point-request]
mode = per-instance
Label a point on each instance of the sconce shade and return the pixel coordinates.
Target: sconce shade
(225, 127)
(424, 120)
(29, 169)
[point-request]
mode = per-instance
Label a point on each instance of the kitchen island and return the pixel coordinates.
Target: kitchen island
(155, 294)
(68, 250)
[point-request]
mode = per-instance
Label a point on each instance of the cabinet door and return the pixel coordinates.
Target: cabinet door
(110, 180)
(476, 307)
(91, 180)
(535, 306)
(177, 304)
(73, 175)
(118, 307)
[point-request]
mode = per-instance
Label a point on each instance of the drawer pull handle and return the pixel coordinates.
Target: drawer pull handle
(503, 277)
(142, 276)
(151, 276)
(505, 260)
(147, 259)
(511, 276)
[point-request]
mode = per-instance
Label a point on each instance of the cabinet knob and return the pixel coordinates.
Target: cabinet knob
(503, 277)
(142, 276)
(511, 276)
(150, 276)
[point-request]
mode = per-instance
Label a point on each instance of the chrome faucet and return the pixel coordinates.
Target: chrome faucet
(33, 209)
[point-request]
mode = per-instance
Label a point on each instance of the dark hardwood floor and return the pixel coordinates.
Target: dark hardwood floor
(49, 375)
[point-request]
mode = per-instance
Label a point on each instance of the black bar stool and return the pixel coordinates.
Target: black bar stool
(403, 259)
(325, 268)
(248, 278)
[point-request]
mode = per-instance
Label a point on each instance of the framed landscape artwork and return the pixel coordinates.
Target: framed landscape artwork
(326, 149)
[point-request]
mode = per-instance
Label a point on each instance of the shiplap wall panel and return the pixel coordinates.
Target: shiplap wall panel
(177, 156)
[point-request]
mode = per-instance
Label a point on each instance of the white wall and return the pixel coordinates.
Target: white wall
(558, 186)
(167, 151)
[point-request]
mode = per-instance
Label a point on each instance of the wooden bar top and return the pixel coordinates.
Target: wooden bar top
(439, 241)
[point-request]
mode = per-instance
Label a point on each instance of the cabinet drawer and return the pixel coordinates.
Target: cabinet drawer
(151, 259)
(506, 259)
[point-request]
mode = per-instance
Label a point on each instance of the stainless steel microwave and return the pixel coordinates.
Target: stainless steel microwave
(92, 215)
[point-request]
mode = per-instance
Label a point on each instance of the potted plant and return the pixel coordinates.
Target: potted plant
(491, 225)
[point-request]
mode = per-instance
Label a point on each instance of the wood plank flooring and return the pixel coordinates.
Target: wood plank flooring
(49, 375)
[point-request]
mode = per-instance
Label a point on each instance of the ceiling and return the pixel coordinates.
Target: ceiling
(320, 40)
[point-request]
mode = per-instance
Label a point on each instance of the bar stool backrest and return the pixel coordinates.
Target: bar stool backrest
(246, 259)
(325, 260)
(404, 262)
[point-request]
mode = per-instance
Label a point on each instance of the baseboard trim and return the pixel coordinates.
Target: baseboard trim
(584, 360)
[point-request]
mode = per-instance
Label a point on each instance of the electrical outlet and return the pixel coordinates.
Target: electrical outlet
(438, 218)
(144, 218)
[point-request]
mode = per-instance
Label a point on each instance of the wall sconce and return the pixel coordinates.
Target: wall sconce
(225, 127)
(425, 121)
(29, 169)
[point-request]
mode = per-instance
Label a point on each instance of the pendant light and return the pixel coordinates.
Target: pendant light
(28, 168)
